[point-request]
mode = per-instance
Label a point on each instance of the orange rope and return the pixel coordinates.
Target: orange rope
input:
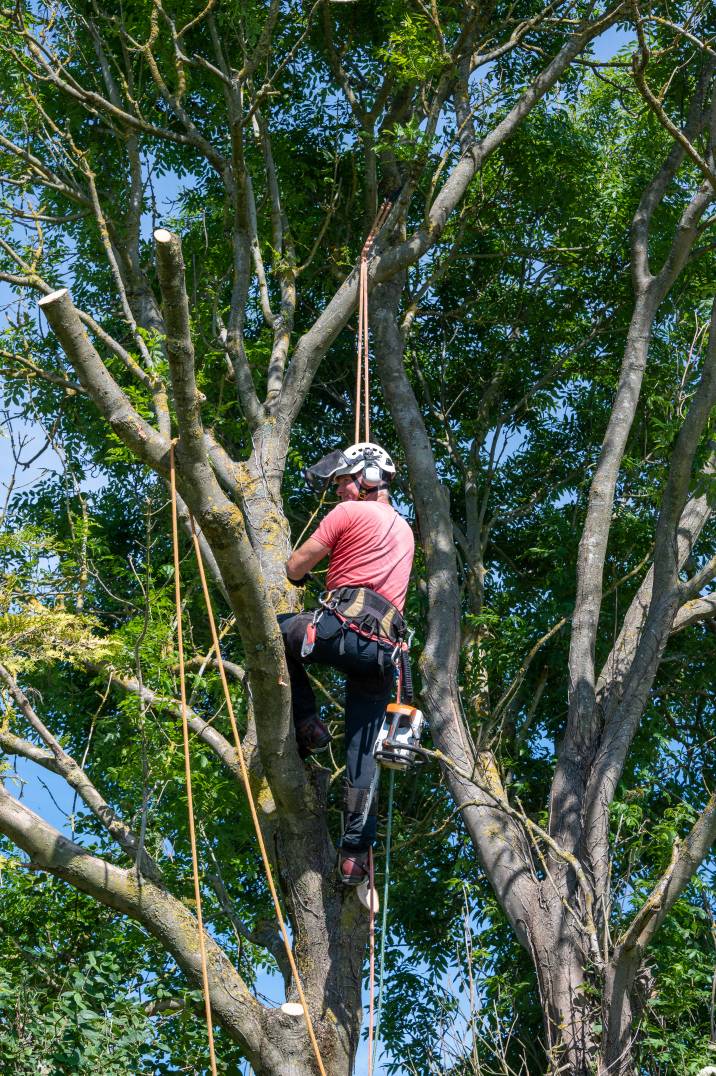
(363, 363)
(366, 357)
(252, 805)
(187, 765)
(356, 434)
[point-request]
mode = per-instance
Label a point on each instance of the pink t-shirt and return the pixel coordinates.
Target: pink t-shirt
(371, 546)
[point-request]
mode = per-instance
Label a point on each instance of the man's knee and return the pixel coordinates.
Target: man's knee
(369, 688)
(293, 628)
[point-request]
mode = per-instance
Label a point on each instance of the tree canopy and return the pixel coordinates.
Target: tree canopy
(544, 370)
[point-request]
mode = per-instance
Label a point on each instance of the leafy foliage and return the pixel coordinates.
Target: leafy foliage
(518, 321)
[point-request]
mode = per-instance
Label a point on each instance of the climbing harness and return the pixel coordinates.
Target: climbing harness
(368, 614)
(244, 778)
(373, 617)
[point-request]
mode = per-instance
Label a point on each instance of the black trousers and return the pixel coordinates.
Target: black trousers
(368, 690)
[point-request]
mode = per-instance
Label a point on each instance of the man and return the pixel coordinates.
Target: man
(358, 630)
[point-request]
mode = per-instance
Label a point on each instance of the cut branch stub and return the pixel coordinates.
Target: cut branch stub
(180, 348)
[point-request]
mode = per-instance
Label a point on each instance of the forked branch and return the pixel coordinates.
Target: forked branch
(66, 766)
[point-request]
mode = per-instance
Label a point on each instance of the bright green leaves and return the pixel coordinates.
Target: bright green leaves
(413, 51)
(38, 629)
(38, 634)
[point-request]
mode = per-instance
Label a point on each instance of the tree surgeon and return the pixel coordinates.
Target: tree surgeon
(358, 627)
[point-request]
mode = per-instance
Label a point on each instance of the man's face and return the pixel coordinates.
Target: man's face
(346, 487)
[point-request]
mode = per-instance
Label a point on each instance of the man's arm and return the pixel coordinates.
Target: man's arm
(304, 558)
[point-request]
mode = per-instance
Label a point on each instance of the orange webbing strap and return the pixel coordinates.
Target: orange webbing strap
(187, 765)
(252, 805)
(363, 354)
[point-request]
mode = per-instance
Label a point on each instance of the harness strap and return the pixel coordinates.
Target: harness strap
(369, 614)
(342, 641)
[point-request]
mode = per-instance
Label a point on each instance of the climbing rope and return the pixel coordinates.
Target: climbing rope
(187, 765)
(363, 363)
(384, 919)
(250, 798)
(374, 1039)
(371, 909)
(363, 389)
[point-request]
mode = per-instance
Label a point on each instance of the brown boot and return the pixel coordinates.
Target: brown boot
(312, 736)
(352, 866)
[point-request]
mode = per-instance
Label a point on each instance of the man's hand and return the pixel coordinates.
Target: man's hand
(300, 582)
(304, 558)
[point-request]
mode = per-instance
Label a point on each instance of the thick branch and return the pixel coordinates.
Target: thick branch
(15, 745)
(628, 957)
(180, 349)
(694, 518)
(694, 612)
(580, 739)
(222, 524)
(499, 841)
(622, 719)
(104, 391)
(687, 856)
(162, 915)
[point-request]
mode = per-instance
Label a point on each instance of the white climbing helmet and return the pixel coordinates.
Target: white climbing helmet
(366, 459)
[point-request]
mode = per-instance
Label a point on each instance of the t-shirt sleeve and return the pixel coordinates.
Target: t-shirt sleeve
(331, 527)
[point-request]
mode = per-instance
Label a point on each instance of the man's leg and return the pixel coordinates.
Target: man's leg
(311, 734)
(368, 692)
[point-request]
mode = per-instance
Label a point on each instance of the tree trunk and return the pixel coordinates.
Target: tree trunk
(328, 922)
(626, 989)
(558, 952)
